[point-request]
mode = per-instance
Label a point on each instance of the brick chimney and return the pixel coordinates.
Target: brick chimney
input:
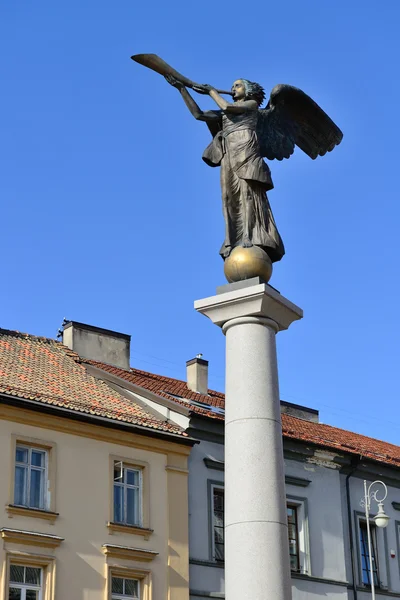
(95, 343)
(197, 374)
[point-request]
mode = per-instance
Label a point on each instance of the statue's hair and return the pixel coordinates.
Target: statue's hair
(254, 91)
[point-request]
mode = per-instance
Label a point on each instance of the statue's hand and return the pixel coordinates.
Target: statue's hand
(174, 82)
(203, 88)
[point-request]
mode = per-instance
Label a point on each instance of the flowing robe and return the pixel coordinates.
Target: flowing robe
(245, 180)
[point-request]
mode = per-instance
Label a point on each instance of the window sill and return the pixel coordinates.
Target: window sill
(132, 529)
(36, 513)
(220, 564)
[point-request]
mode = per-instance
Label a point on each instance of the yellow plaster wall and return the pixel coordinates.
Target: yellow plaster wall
(83, 495)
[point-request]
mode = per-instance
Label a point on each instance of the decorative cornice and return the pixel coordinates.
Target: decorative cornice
(207, 563)
(44, 540)
(217, 465)
(299, 481)
(103, 430)
(177, 469)
(204, 594)
(23, 511)
(306, 577)
(378, 591)
(120, 528)
(130, 553)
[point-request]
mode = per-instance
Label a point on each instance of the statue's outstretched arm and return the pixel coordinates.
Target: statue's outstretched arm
(193, 107)
(231, 107)
(199, 115)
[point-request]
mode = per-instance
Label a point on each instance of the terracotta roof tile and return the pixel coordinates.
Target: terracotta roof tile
(169, 388)
(340, 439)
(315, 433)
(41, 369)
(46, 371)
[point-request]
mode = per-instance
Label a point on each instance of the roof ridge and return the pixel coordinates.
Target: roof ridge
(40, 338)
(21, 334)
(156, 376)
(220, 394)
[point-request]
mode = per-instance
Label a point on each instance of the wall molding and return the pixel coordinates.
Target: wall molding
(31, 538)
(217, 465)
(132, 529)
(129, 553)
(299, 481)
(24, 511)
(207, 563)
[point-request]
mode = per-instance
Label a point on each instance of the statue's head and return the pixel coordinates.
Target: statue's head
(243, 89)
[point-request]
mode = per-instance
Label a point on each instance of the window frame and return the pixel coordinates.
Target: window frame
(303, 534)
(116, 596)
(25, 587)
(49, 486)
(29, 467)
(125, 486)
(397, 525)
(211, 485)
(364, 552)
(143, 576)
(295, 508)
(47, 564)
(382, 553)
(144, 496)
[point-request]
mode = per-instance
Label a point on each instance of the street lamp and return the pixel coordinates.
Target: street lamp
(381, 520)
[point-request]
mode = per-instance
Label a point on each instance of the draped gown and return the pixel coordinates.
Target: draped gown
(245, 180)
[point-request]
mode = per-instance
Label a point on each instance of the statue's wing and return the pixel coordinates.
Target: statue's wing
(291, 119)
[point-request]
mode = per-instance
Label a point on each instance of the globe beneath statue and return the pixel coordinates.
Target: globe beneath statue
(245, 263)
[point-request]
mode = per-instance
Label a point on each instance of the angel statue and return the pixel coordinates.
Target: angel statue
(243, 135)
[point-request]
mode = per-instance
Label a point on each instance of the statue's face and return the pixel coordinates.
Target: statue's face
(238, 90)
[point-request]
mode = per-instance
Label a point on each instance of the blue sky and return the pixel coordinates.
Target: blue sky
(110, 217)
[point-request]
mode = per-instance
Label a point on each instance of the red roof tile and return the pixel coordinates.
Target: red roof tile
(171, 389)
(340, 439)
(46, 371)
(320, 434)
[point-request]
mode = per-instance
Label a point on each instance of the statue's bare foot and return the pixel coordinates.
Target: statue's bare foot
(226, 252)
(246, 242)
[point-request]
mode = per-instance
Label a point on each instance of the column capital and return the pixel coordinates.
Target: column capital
(252, 321)
(259, 300)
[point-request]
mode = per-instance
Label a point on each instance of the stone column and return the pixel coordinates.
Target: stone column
(256, 538)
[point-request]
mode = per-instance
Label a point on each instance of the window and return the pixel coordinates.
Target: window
(293, 531)
(217, 503)
(25, 583)
(127, 494)
(298, 535)
(30, 483)
(123, 588)
(365, 559)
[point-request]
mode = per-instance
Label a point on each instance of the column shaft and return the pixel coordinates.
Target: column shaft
(257, 555)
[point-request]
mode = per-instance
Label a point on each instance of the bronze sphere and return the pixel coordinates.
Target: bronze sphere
(245, 263)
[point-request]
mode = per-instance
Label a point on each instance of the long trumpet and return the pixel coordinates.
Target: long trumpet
(157, 64)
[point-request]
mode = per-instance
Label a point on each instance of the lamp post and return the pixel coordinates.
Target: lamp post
(381, 520)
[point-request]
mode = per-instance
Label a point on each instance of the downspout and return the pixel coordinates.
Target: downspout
(355, 462)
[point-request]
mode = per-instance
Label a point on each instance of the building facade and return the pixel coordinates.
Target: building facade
(324, 471)
(93, 494)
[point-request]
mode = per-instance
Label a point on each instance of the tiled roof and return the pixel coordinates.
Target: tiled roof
(320, 434)
(171, 389)
(340, 439)
(46, 371)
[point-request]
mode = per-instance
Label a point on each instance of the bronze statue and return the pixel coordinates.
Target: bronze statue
(243, 134)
